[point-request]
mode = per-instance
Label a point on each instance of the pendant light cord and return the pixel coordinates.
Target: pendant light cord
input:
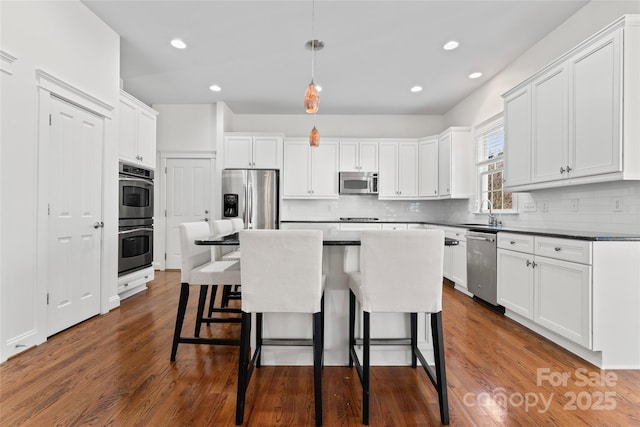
(313, 40)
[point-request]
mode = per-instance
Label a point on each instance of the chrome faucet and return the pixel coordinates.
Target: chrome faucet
(492, 218)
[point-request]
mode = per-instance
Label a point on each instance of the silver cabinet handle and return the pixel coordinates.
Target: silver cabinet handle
(528, 263)
(98, 224)
(512, 242)
(561, 170)
(569, 169)
(557, 249)
(206, 219)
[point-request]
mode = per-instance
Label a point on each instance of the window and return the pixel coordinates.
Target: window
(490, 165)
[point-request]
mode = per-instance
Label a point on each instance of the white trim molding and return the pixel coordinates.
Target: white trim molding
(72, 94)
(6, 62)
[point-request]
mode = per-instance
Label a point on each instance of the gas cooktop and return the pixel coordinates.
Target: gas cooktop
(358, 219)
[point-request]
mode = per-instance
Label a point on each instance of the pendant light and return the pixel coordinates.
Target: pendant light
(311, 96)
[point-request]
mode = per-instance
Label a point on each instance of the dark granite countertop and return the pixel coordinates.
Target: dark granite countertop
(547, 232)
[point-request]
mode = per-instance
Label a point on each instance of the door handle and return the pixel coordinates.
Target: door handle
(98, 224)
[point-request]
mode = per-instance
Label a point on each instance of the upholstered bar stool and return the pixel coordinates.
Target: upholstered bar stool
(198, 269)
(281, 273)
(400, 272)
(219, 228)
(238, 224)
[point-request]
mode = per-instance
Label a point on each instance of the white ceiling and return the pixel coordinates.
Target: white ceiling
(375, 51)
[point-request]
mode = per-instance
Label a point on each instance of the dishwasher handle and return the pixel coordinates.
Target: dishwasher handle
(484, 239)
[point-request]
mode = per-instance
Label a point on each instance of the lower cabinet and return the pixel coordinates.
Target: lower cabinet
(553, 292)
(455, 258)
(563, 298)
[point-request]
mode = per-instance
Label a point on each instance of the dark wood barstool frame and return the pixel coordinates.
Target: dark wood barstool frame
(439, 379)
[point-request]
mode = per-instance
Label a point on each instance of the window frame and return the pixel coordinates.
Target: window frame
(481, 131)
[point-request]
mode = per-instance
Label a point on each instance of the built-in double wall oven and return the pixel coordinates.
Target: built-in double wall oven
(135, 231)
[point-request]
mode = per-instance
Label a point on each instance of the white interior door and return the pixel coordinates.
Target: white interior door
(188, 199)
(75, 212)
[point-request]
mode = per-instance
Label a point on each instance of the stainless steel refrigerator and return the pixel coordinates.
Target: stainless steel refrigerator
(251, 194)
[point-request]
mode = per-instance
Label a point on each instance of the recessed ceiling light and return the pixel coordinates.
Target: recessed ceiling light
(178, 44)
(215, 88)
(416, 89)
(475, 75)
(450, 45)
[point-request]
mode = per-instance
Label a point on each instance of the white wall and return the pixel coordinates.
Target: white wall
(68, 41)
(295, 125)
(595, 202)
(186, 127)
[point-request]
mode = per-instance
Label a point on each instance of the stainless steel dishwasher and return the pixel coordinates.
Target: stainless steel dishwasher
(481, 266)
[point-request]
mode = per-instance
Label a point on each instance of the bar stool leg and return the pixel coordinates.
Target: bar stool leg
(259, 339)
(352, 325)
(317, 365)
(365, 367)
(243, 368)
(414, 338)
(212, 300)
(182, 308)
(201, 302)
(441, 374)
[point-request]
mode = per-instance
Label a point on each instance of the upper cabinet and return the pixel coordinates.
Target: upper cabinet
(575, 121)
(358, 156)
(137, 131)
(310, 172)
(243, 151)
(455, 163)
(428, 167)
(398, 176)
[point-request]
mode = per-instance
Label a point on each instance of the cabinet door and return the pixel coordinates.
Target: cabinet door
(595, 96)
(324, 170)
(127, 117)
(238, 152)
(549, 125)
(394, 226)
(515, 282)
(349, 156)
(408, 169)
(388, 175)
(458, 270)
(147, 138)
(296, 173)
(563, 298)
(369, 156)
(266, 152)
(428, 168)
(517, 138)
(444, 165)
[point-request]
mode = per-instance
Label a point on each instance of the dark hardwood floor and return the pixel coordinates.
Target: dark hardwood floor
(115, 370)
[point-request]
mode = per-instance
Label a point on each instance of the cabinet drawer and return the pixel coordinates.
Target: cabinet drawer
(515, 242)
(564, 249)
(456, 233)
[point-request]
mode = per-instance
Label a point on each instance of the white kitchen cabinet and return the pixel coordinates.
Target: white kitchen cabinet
(563, 298)
(358, 156)
(428, 167)
(398, 176)
(549, 133)
(456, 258)
(455, 163)
(517, 136)
(136, 131)
(514, 273)
(391, 226)
(252, 151)
(310, 172)
(546, 284)
(578, 115)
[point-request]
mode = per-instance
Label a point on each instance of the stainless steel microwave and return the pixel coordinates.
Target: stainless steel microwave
(358, 183)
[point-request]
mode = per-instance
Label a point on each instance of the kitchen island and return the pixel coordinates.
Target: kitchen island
(336, 311)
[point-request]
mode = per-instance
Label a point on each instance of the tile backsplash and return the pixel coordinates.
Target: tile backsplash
(612, 206)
